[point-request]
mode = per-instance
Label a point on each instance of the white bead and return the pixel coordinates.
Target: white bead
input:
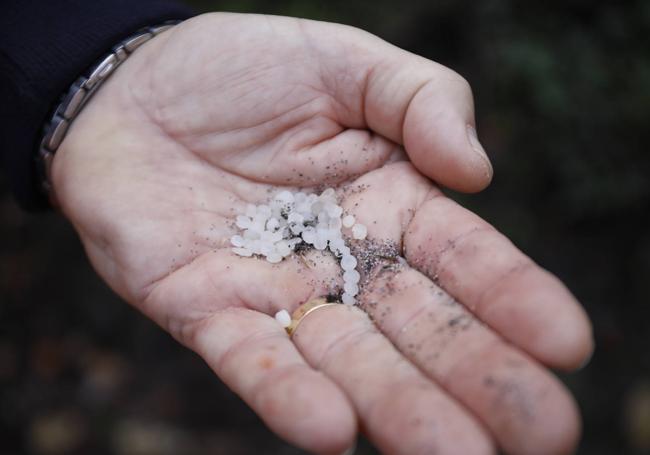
(309, 235)
(304, 208)
(334, 211)
(264, 210)
(250, 234)
(282, 248)
(359, 231)
(297, 228)
(347, 299)
(328, 193)
(348, 221)
(320, 244)
(265, 248)
(335, 223)
(308, 216)
(284, 232)
(295, 217)
(322, 233)
(323, 218)
(348, 262)
(259, 221)
(351, 288)
(285, 197)
(272, 224)
(337, 243)
(333, 234)
(254, 246)
(351, 276)
(317, 207)
(273, 258)
(258, 225)
(294, 241)
(283, 317)
(237, 240)
(242, 252)
(243, 222)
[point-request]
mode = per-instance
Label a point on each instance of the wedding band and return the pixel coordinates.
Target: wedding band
(303, 310)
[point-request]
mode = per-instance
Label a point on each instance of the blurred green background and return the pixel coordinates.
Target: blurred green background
(562, 94)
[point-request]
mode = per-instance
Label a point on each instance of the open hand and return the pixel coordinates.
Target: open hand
(445, 355)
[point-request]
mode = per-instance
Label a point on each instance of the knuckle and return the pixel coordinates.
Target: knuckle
(462, 85)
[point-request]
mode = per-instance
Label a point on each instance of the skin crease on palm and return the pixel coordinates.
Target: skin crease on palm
(446, 354)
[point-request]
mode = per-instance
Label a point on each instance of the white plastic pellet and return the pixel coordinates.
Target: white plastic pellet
(334, 211)
(243, 222)
(242, 252)
(337, 243)
(347, 299)
(320, 244)
(351, 276)
(266, 248)
(348, 221)
(309, 235)
(285, 197)
(328, 193)
(335, 224)
(283, 317)
(250, 234)
(273, 257)
(282, 247)
(295, 217)
(264, 211)
(272, 224)
(294, 241)
(297, 228)
(351, 288)
(348, 262)
(359, 231)
(257, 225)
(237, 240)
(266, 236)
(323, 218)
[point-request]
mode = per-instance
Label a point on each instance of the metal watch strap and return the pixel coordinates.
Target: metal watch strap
(80, 92)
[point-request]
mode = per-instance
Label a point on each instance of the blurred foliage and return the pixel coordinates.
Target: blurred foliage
(562, 93)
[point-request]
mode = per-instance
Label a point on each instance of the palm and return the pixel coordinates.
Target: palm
(182, 140)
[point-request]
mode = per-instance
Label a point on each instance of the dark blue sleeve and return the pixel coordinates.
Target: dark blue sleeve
(44, 46)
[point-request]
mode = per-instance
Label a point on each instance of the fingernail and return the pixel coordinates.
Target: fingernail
(477, 147)
(351, 450)
(586, 361)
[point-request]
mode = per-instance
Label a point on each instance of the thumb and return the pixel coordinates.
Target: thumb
(430, 110)
(409, 100)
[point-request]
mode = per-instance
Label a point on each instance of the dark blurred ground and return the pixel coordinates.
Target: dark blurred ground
(563, 106)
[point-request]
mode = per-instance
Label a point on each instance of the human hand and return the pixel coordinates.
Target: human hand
(227, 109)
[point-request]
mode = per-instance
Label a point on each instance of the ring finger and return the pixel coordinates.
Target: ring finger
(401, 410)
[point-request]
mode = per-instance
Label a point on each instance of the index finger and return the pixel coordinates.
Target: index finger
(481, 268)
(474, 263)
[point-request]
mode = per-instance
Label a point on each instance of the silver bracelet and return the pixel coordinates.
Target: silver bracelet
(79, 94)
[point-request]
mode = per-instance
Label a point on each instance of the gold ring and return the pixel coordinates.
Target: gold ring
(303, 310)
